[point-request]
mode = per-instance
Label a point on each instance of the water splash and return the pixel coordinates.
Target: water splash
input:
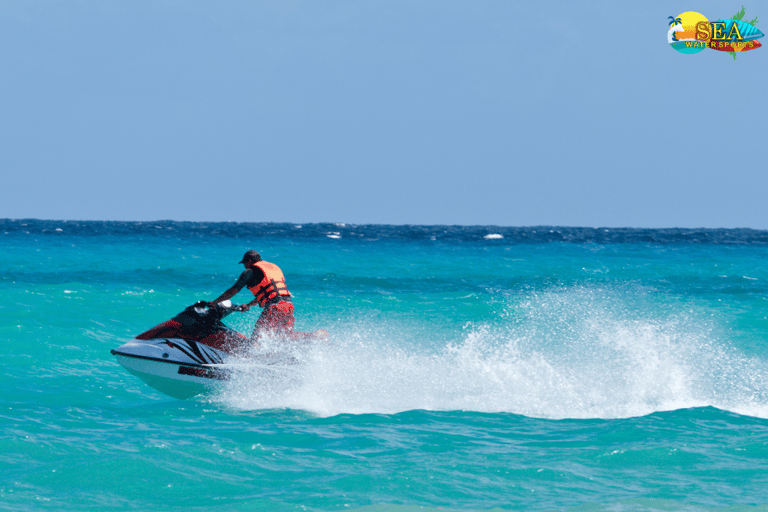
(572, 353)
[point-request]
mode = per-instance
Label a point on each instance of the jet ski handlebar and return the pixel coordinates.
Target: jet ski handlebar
(220, 309)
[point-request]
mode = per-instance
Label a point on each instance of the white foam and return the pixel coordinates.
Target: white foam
(493, 236)
(568, 354)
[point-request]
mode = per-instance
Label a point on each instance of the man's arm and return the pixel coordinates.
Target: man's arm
(246, 307)
(231, 292)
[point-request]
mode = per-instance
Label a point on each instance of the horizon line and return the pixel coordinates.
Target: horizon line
(348, 224)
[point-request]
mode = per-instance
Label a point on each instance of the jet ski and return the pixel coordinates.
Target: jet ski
(192, 352)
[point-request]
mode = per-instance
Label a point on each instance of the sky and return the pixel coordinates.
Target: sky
(379, 112)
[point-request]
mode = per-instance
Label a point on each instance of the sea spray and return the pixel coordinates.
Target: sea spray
(578, 353)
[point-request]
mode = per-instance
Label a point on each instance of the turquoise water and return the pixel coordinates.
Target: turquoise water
(550, 369)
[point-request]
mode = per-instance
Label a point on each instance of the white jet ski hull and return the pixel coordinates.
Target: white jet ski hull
(168, 357)
(178, 368)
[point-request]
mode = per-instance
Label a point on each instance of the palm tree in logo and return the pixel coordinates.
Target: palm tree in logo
(674, 21)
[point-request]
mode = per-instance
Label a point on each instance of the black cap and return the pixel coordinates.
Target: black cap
(251, 256)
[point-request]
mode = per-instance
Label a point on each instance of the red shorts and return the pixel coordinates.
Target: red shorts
(275, 317)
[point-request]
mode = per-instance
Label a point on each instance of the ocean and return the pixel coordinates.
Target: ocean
(468, 368)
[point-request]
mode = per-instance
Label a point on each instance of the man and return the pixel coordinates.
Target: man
(267, 283)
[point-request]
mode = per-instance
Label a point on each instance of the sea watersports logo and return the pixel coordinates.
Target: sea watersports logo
(690, 32)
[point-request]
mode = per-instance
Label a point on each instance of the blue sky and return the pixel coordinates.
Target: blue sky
(397, 112)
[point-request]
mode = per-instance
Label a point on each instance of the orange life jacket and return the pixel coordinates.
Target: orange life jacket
(271, 286)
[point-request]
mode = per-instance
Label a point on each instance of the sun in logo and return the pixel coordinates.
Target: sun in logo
(682, 32)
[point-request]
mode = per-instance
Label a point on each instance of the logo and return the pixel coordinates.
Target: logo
(690, 32)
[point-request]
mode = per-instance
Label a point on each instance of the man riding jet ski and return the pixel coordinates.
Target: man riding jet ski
(188, 354)
(183, 356)
(267, 283)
